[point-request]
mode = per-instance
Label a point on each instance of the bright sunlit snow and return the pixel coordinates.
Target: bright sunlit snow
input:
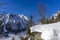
(49, 31)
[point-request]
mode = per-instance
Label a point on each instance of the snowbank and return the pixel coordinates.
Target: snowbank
(47, 30)
(16, 37)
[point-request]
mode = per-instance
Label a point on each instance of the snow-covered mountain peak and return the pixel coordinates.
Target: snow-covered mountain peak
(24, 17)
(13, 22)
(55, 15)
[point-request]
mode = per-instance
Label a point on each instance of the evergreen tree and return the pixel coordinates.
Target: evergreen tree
(30, 22)
(52, 20)
(43, 20)
(1, 22)
(47, 21)
(58, 17)
(1, 27)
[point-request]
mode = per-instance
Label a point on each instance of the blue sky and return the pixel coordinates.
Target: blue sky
(30, 7)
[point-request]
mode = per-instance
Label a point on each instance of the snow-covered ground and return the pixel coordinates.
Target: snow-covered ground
(49, 31)
(16, 37)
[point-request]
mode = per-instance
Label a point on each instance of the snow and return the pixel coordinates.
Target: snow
(47, 30)
(21, 15)
(5, 39)
(16, 37)
(13, 21)
(7, 18)
(55, 15)
(11, 36)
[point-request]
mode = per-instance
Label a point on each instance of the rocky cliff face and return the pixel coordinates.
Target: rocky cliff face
(11, 23)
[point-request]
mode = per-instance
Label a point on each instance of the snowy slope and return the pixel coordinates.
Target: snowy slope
(55, 15)
(16, 37)
(49, 31)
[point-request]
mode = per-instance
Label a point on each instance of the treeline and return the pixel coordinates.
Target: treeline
(52, 20)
